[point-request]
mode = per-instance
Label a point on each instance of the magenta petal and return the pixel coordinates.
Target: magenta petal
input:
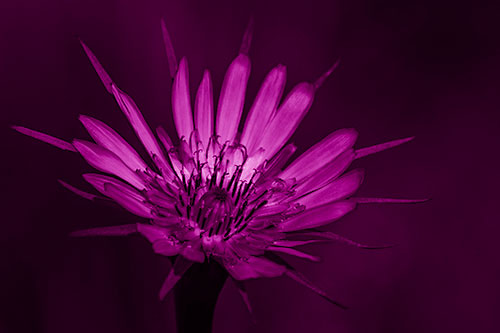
(318, 216)
(181, 103)
(294, 243)
(106, 161)
(106, 80)
(232, 98)
(341, 239)
(380, 147)
(119, 230)
(264, 106)
(153, 233)
(328, 173)
(193, 252)
(180, 267)
(320, 154)
(169, 48)
(240, 285)
(45, 138)
(81, 193)
(339, 189)
(204, 110)
(388, 200)
(109, 139)
(254, 267)
(298, 277)
(294, 252)
(287, 118)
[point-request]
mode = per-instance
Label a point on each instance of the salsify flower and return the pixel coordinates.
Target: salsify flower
(219, 194)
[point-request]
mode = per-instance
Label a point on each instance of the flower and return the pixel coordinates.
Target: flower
(219, 193)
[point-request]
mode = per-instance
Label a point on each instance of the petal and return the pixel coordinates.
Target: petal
(263, 107)
(388, 200)
(328, 173)
(193, 251)
(318, 216)
(294, 252)
(298, 277)
(118, 230)
(169, 48)
(232, 98)
(181, 102)
(45, 138)
(320, 154)
(339, 189)
(204, 110)
(327, 235)
(240, 285)
(180, 267)
(109, 139)
(254, 267)
(380, 147)
(106, 80)
(287, 118)
(123, 194)
(106, 161)
(81, 193)
(153, 233)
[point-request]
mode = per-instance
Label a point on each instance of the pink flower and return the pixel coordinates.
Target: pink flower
(219, 193)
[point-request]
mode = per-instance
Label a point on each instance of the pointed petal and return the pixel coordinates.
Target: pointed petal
(181, 265)
(242, 290)
(264, 106)
(125, 195)
(45, 138)
(81, 193)
(388, 200)
(247, 38)
(106, 161)
(109, 139)
(320, 154)
(318, 216)
(193, 252)
(254, 267)
(169, 48)
(278, 161)
(339, 189)
(305, 282)
(380, 147)
(181, 102)
(160, 238)
(325, 75)
(294, 243)
(328, 173)
(204, 110)
(335, 237)
(232, 98)
(294, 252)
(139, 125)
(287, 118)
(118, 230)
(106, 80)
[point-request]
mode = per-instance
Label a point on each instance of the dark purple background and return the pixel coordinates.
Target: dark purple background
(421, 68)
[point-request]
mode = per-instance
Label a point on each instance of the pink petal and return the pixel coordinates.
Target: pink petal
(232, 98)
(278, 161)
(335, 237)
(388, 200)
(294, 243)
(298, 277)
(318, 216)
(193, 252)
(325, 75)
(254, 267)
(109, 139)
(123, 194)
(106, 80)
(320, 154)
(287, 118)
(339, 189)
(247, 38)
(328, 173)
(240, 285)
(81, 193)
(204, 110)
(139, 125)
(119, 230)
(45, 138)
(180, 267)
(181, 103)
(172, 61)
(380, 147)
(106, 161)
(294, 252)
(264, 106)
(153, 233)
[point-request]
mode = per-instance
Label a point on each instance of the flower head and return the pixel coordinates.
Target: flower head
(218, 194)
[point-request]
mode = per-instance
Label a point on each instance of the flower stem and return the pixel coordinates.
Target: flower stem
(196, 296)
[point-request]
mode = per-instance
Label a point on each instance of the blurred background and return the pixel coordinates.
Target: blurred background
(422, 68)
